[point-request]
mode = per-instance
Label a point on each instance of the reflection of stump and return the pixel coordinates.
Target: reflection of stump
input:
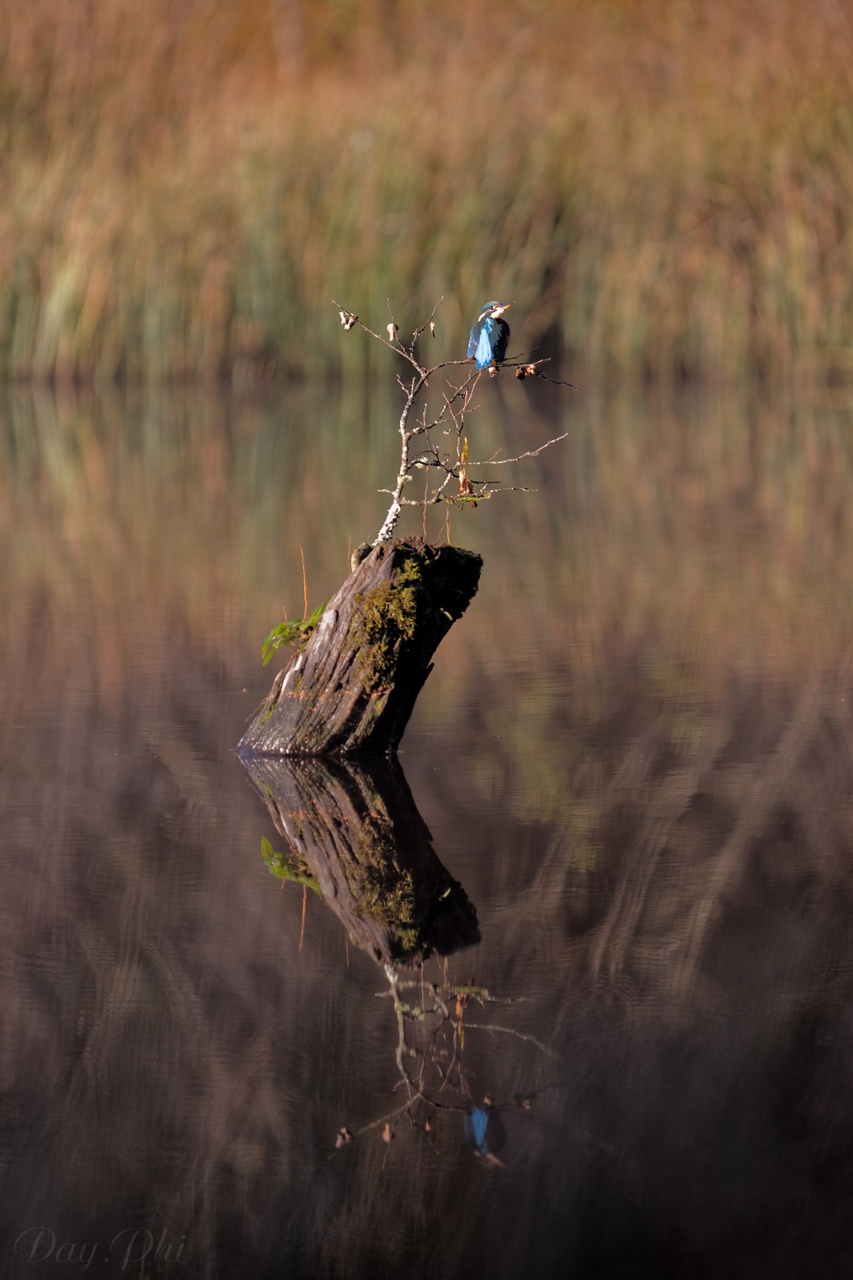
(353, 687)
(356, 829)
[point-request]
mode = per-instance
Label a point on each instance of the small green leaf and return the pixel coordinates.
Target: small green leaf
(296, 634)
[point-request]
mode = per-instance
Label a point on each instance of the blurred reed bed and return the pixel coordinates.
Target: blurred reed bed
(664, 188)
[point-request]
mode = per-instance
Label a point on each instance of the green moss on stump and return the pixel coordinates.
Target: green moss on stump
(404, 610)
(385, 618)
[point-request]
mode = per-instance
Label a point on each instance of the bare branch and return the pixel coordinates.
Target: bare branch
(416, 423)
(532, 369)
(429, 323)
(531, 453)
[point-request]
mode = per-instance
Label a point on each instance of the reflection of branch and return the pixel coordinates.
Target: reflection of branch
(510, 1031)
(356, 837)
(437, 1082)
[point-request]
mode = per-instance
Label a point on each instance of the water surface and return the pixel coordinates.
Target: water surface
(633, 761)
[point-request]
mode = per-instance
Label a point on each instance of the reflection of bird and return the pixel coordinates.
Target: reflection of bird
(484, 1131)
(489, 336)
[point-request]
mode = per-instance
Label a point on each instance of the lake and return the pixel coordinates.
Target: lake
(632, 766)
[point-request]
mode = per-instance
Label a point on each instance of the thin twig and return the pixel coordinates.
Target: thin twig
(519, 457)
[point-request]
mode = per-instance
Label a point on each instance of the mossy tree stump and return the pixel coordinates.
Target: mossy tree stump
(353, 686)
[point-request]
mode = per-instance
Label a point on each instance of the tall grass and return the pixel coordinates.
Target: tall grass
(665, 188)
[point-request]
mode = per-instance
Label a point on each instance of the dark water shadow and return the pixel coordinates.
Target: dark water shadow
(354, 829)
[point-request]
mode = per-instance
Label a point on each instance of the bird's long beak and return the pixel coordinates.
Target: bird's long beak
(505, 306)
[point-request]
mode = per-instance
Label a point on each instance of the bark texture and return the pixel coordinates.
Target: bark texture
(354, 685)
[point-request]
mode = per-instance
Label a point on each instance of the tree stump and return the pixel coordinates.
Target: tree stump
(353, 826)
(353, 686)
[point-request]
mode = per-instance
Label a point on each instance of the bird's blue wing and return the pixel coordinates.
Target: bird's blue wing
(483, 353)
(472, 340)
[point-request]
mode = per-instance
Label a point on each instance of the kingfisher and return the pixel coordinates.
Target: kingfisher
(490, 335)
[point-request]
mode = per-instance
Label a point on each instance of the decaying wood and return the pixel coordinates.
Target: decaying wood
(353, 826)
(354, 685)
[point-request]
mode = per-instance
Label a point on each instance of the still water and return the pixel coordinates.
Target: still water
(631, 769)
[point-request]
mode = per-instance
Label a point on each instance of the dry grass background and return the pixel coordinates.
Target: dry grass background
(664, 187)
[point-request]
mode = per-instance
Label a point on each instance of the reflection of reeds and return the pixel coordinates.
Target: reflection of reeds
(645, 759)
(699, 541)
(663, 188)
(695, 863)
(680, 567)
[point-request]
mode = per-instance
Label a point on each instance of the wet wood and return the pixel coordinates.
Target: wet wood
(353, 687)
